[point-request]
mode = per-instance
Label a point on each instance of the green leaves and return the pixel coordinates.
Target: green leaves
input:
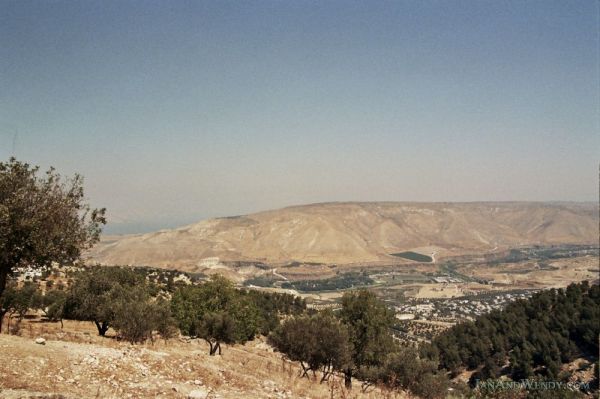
(369, 322)
(321, 341)
(120, 298)
(536, 336)
(43, 219)
(216, 312)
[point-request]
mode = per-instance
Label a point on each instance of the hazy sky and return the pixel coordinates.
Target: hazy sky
(182, 110)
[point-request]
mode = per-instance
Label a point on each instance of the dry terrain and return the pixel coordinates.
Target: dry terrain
(347, 233)
(75, 363)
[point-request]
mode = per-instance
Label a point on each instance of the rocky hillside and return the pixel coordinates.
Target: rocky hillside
(46, 361)
(356, 232)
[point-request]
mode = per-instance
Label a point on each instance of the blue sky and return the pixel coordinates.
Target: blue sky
(182, 110)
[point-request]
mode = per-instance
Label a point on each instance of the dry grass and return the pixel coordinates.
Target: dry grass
(76, 363)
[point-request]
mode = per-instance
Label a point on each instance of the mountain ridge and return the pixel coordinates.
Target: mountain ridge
(350, 232)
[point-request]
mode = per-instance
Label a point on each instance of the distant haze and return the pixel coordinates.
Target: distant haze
(180, 111)
(350, 232)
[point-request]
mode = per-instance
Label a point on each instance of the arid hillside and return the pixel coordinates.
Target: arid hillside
(356, 232)
(73, 362)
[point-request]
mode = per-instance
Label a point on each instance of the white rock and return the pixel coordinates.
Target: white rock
(198, 394)
(40, 341)
(197, 382)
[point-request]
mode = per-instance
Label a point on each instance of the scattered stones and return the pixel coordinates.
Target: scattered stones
(197, 382)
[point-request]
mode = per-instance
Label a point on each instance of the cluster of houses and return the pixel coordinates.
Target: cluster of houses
(456, 309)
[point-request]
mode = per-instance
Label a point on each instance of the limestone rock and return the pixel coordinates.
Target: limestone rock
(199, 393)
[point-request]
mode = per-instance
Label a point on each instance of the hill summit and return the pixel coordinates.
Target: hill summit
(350, 232)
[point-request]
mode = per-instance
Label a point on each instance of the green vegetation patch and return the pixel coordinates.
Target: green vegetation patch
(413, 256)
(528, 339)
(341, 282)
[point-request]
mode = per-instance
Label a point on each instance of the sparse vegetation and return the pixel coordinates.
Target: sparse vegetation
(353, 342)
(357, 342)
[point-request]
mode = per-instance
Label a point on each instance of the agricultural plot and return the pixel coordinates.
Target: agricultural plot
(414, 256)
(340, 282)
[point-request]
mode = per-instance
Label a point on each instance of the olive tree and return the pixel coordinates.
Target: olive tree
(216, 312)
(17, 301)
(405, 370)
(97, 291)
(318, 342)
(44, 218)
(52, 304)
(138, 316)
(369, 323)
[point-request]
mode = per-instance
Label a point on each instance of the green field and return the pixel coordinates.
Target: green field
(340, 282)
(413, 256)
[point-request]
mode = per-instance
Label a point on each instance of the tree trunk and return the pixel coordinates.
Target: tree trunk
(102, 327)
(348, 378)
(3, 277)
(213, 348)
(305, 370)
(327, 371)
(365, 385)
(2, 313)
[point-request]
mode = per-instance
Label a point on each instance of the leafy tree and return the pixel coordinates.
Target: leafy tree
(369, 323)
(17, 300)
(216, 328)
(43, 218)
(138, 315)
(318, 342)
(405, 370)
(96, 291)
(296, 340)
(164, 322)
(122, 299)
(52, 304)
(216, 312)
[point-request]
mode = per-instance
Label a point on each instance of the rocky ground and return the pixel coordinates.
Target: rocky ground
(45, 361)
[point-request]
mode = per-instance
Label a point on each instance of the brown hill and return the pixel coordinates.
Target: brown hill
(356, 232)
